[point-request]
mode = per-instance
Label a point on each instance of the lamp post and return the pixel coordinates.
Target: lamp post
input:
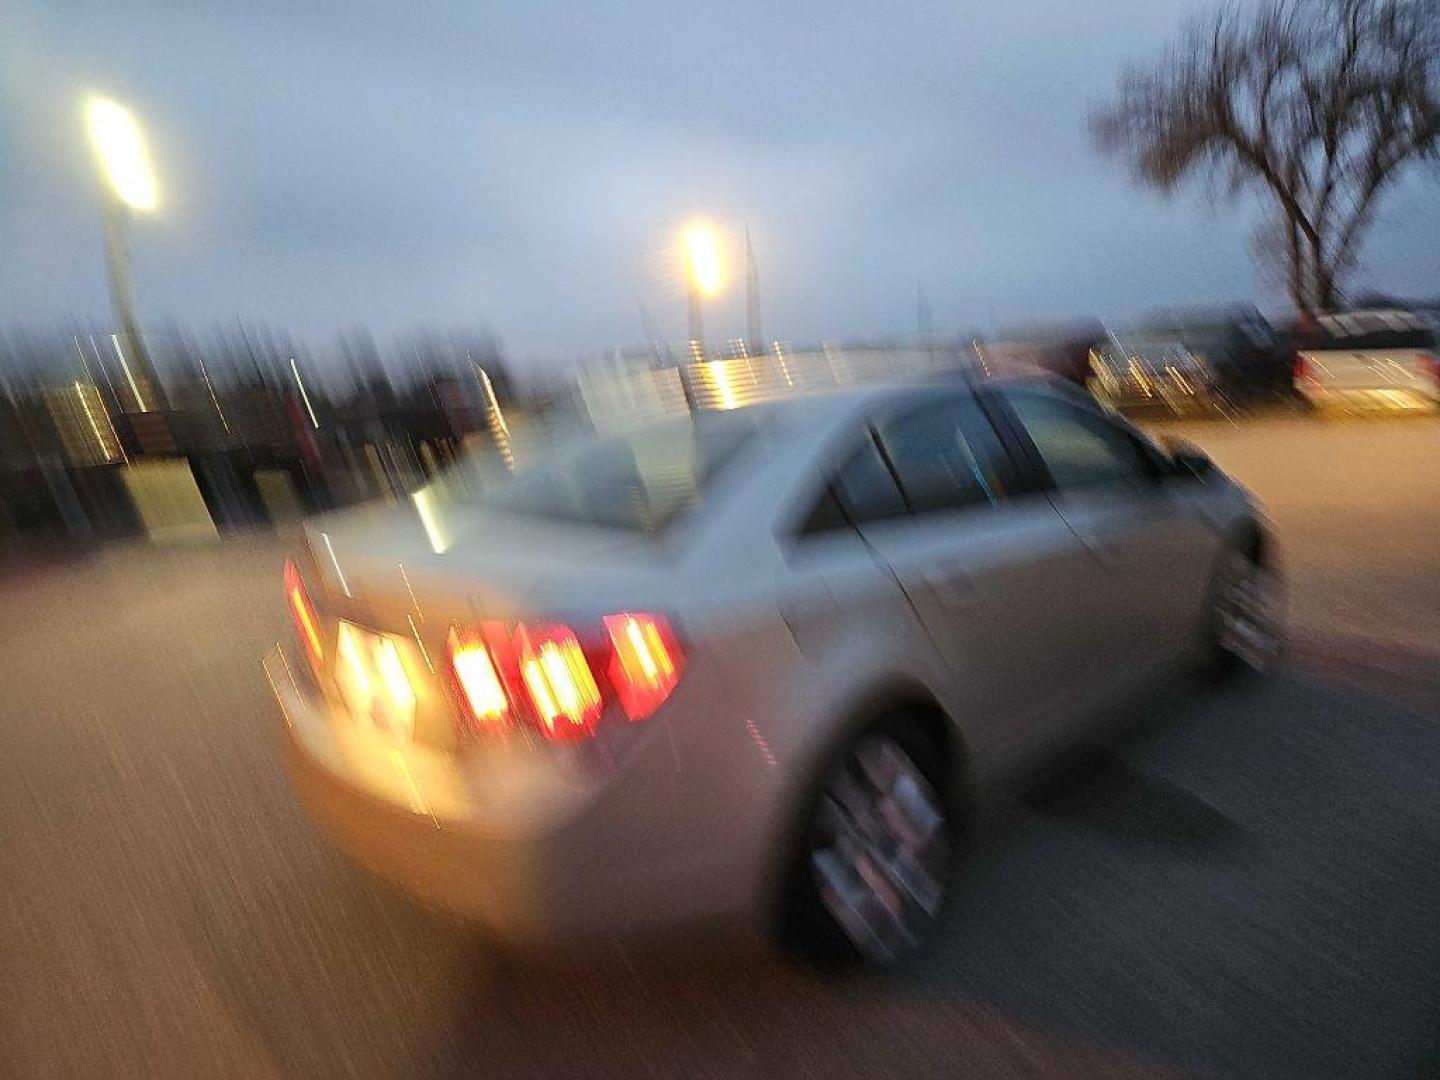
(129, 186)
(703, 276)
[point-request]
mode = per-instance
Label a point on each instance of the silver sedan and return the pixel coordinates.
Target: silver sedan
(761, 662)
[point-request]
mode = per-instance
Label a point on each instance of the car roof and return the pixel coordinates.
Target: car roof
(1380, 318)
(816, 408)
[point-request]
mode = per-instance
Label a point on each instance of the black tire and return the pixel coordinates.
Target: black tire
(809, 924)
(1245, 637)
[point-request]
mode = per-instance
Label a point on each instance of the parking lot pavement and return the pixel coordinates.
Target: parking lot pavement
(1242, 884)
(1356, 502)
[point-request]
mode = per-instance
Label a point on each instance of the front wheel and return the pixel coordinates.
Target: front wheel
(873, 870)
(1248, 619)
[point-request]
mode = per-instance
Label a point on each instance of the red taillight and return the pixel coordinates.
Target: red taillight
(479, 680)
(645, 662)
(1431, 364)
(564, 697)
(1301, 368)
(546, 675)
(301, 610)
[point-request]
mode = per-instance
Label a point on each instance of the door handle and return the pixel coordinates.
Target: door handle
(798, 610)
(1107, 553)
(951, 586)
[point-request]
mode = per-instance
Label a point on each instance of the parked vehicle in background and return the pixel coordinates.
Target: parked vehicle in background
(757, 661)
(1061, 348)
(1137, 373)
(1185, 361)
(1368, 360)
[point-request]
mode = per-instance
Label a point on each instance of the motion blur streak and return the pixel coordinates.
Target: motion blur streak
(339, 573)
(430, 522)
(129, 375)
(307, 621)
(302, 612)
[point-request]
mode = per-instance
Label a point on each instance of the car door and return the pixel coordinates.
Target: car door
(833, 586)
(1151, 551)
(988, 565)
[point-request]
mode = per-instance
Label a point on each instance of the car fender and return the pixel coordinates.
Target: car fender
(841, 698)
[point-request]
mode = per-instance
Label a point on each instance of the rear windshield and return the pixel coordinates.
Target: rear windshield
(1214, 332)
(1363, 330)
(639, 480)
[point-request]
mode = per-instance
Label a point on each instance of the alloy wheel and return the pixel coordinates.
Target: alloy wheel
(880, 849)
(1248, 612)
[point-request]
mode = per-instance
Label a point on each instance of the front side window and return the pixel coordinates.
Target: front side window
(936, 457)
(943, 456)
(865, 488)
(1079, 447)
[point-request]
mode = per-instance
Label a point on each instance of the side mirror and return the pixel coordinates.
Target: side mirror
(1189, 460)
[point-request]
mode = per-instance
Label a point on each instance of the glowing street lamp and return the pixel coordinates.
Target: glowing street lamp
(128, 185)
(121, 149)
(703, 272)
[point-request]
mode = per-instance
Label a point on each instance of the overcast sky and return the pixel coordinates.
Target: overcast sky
(527, 166)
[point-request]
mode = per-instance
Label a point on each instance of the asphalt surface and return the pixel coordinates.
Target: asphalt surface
(1245, 883)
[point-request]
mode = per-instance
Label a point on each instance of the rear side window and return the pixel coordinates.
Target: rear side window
(865, 487)
(1079, 447)
(945, 456)
(640, 480)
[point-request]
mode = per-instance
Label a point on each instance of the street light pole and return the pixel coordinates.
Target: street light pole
(133, 355)
(128, 184)
(697, 326)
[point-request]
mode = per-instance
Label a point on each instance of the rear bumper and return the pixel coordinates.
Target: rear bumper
(533, 863)
(1129, 397)
(1380, 397)
(498, 884)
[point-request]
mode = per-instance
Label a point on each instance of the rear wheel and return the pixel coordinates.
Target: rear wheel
(1248, 618)
(873, 869)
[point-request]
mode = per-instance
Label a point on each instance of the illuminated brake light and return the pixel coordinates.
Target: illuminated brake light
(374, 680)
(479, 681)
(353, 672)
(556, 681)
(393, 674)
(1309, 371)
(645, 664)
(559, 682)
(302, 611)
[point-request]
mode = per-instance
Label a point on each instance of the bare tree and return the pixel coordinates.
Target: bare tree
(1317, 103)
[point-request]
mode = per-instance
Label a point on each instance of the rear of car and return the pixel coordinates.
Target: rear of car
(1062, 349)
(751, 664)
(1191, 362)
(1368, 360)
(1140, 374)
(479, 704)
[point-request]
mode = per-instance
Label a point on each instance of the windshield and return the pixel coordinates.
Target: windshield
(1363, 330)
(638, 480)
(1216, 331)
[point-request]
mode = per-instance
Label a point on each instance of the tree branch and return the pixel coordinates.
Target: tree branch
(1320, 103)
